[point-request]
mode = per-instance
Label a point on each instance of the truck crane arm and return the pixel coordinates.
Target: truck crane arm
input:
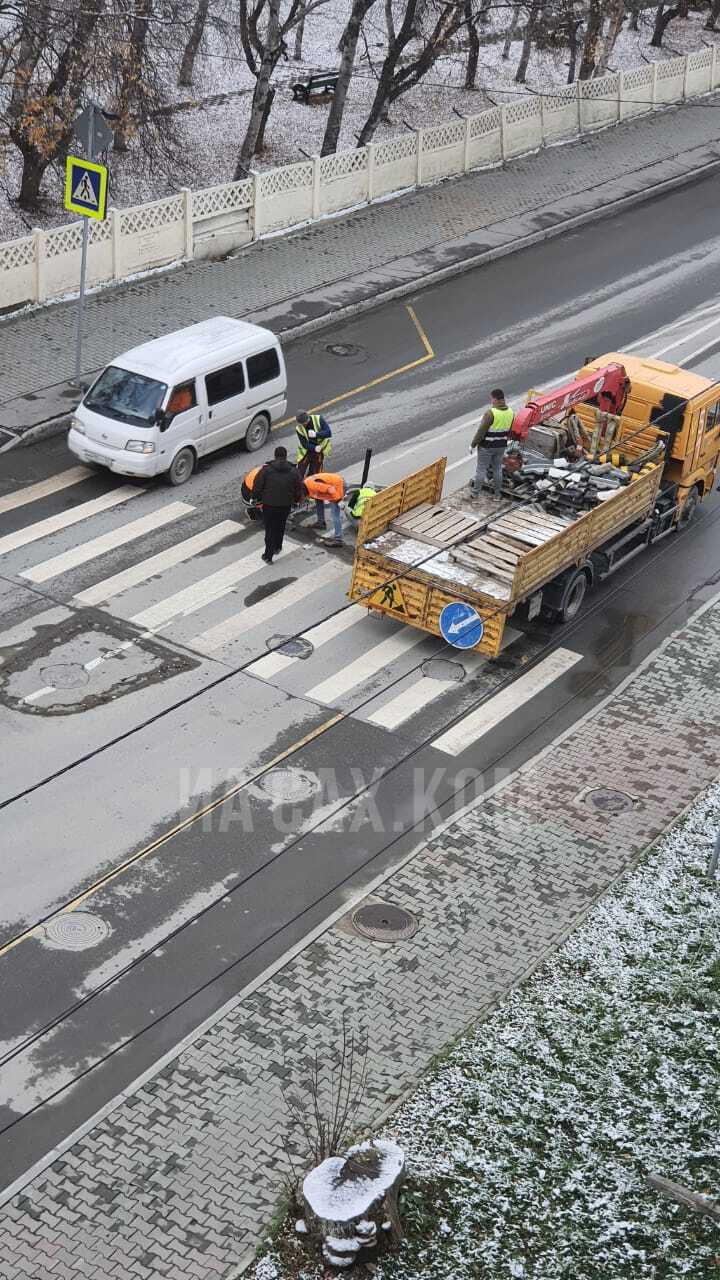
(607, 388)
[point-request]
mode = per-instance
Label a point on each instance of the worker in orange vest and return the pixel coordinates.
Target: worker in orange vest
(324, 487)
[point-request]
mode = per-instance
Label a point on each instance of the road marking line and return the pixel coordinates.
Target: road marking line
(417, 696)
(43, 488)
(475, 725)
(137, 573)
(700, 351)
(248, 618)
(375, 382)
(680, 342)
(273, 663)
(76, 902)
(53, 524)
(33, 697)
(200, 594)
(106, 542)
(368, 664)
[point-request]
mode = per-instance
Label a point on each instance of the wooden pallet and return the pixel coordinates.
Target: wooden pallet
(439, 525)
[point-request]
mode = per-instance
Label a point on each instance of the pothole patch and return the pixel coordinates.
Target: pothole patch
(65, 675)
(443, 669)
(344, 350)
(75, 931)
(291, 646)
(384, 922)
(606, 800)
(289, 786)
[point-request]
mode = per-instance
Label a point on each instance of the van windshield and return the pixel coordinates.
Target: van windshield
(129, 397)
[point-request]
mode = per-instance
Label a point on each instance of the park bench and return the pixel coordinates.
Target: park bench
(317, 84)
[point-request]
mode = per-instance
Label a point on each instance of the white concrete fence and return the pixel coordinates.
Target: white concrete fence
(215, 220)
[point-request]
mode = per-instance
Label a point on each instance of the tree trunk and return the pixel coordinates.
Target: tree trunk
(616, 14)
(473, 46)
(510, 32)
(299, 34)
(33, 171)
(710, 25)
(271, 53)
(593, 34)
(131, 86)
(573, 28)
(350, 38)
(522, 66)
(389, 23)
(663, 18)
(260, 144)
(187, 66)
(684, 9)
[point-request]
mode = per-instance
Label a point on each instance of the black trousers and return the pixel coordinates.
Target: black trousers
(275, 519)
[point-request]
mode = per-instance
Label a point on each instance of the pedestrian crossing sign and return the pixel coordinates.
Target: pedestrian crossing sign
(86, 187)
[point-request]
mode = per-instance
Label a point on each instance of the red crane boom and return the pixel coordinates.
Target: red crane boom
(606, 387)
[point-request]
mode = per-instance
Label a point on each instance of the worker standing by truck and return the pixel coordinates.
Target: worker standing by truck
(314, 446)
(491, 440)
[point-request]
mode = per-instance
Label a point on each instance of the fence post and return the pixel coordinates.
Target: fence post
(502, 135)
(621, 96)
(419, 134)
(466, 145)
(713, 68)
(255, 212)
(685, 76)
(40, 251)
(579, 107)
(116, 241)
(186, 194)
(316, 187)
(371, 148)
(542, 119)
(653, 95)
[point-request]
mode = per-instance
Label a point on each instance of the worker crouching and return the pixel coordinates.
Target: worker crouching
(328, 487)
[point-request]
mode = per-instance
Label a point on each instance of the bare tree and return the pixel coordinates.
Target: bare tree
(187, 65)
(399, 74)
(299, 34)
(713, 16)
(512, 27)
(593, 36)
(529, 33)
(572, 23)
(616, 14)
(663, 18)
(348, 44)
(324, 1115)
(132, 87)
(472, 19)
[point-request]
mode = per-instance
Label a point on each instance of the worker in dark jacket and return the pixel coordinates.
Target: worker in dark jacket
(277, 486)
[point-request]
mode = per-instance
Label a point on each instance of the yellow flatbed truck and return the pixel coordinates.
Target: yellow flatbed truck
(649, 428)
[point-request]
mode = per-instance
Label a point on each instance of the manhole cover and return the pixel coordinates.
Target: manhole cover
(343, 349)
(443, 669)
(289, 785)
(607, 801)
(384, 922)
(291, 646)
(75, 931)
(65, 675)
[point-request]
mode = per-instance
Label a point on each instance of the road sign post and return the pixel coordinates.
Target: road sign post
(461, 625)
(86, 194)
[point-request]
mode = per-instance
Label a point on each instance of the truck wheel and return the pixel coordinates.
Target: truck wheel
(257, 433)
(181, 467)
(573, 597)
(687, 515)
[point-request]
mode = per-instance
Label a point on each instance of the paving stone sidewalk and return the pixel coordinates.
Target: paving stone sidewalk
(338, 265)
(182, 1177)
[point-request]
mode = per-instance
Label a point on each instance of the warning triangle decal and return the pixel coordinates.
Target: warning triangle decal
(391, 597)
(84, 192)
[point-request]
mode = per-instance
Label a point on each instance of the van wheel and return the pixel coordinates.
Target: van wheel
(182, 467)
(573, 597)
(257, 433)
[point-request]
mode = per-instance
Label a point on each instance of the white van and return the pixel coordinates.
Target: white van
(163, 405)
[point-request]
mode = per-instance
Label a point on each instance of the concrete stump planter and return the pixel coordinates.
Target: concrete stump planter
(350, 1199)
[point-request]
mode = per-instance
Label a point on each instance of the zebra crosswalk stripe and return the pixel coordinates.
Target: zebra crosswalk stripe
(240, 623)
(200, 594)
(53, 524)
(273, 663)
(110, 587)
(86, 551)
(368, 664)
(43, 488)
(417, 696)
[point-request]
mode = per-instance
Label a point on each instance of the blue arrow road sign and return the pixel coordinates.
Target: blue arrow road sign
(461, 625)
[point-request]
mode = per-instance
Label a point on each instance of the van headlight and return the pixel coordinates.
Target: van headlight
(76, 425)
(140, 446)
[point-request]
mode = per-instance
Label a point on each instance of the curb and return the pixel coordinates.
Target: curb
(50, 427)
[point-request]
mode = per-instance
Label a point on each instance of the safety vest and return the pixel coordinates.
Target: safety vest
(325, 487)
(321, 445)
(499, 429)
(360, 501)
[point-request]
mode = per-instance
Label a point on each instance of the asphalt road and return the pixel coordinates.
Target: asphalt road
(102, 776)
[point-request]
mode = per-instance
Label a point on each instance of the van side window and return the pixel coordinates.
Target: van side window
(227, 382)
(182, 398)
(713, 416)
(263, 367)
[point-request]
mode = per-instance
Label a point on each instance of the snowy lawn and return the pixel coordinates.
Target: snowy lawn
(528, 1144)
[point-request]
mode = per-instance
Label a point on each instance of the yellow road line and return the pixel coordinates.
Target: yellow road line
(74, 903)
(375, 382)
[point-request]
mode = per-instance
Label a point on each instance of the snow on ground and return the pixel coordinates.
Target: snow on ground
(208, 139)
(528, 1146)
